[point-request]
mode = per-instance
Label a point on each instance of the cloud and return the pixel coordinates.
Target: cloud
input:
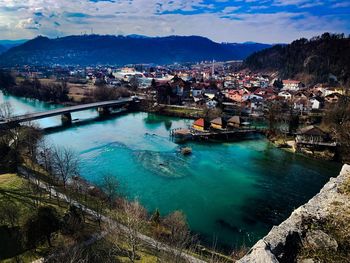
(28, 23)
(220, 20)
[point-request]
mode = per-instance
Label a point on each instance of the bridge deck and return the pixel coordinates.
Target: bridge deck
(60, 111)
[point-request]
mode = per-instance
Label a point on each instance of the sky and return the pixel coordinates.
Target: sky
(267, 21)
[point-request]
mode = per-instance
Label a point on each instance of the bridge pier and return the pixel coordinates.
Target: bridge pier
(66, 118)
(103, 111)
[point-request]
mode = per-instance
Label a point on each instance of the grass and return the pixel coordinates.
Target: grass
(182, 111)
(10, 181)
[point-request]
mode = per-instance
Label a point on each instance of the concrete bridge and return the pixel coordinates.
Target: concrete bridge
(103, 108)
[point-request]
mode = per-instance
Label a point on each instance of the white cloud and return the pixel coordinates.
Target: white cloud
(18, 19)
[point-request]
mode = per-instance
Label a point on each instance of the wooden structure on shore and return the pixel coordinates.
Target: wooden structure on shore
(214, 135)
(313, 137)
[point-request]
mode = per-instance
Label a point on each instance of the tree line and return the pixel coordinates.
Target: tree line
(34, 89)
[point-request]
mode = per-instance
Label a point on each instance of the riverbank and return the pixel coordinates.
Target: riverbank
(234, 181)
(315, 232)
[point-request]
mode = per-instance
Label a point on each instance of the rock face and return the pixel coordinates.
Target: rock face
(282, 242)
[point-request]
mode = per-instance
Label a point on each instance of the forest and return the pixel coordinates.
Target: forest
(321, 59)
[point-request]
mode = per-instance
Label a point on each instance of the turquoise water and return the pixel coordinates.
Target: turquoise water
(233, 192)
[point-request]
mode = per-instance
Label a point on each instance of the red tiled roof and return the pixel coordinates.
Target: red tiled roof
(199, 122)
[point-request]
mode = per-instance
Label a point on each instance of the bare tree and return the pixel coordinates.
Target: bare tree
(115, 235)
(180, 236)
(110, 187)
(134, 83)
(135, 215)
(16, 141)
(44, 156)
(65, 164)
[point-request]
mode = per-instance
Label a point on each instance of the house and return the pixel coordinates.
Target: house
(211, 104)
(234, 122)
(292, 85)
(332, 98)
(200, 125)
(315, 103)
(329, 91)
(210, 93)
(285, 95)
(218, 123)
(196, 92)
(238, 95)
(301, 105)
(311, 134)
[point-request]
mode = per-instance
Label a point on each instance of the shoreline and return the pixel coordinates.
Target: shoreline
(163, 110)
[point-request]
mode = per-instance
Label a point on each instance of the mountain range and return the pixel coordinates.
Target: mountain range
(120, 50)
(7, 44)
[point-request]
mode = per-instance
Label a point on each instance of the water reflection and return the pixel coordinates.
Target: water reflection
(155, 121)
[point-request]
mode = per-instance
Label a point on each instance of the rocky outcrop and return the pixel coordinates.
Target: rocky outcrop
(282, 242)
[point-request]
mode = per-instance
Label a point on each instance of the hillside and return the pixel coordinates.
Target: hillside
(2, 48)
(315, 60)
(120, 50)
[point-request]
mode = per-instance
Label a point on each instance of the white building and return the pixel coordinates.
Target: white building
(292, 85)
(285, 94)
(315, 104)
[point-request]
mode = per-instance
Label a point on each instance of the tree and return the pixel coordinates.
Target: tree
(134, 83)
(65, 164)
(156, 217)
(337, 119)
(68, 254)
(6, 80)
(41, 225)
(153, 84)
(15, 141)
(211, 114)
(273, 116)
(9, 213)
(179, 237)
(135, 216)
(278, 84)
(110, 187)
(73, 220)
(44, 156)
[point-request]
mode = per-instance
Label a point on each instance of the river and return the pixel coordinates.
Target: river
(230, 192)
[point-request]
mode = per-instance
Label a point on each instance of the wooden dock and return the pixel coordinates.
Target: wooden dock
(214, 135)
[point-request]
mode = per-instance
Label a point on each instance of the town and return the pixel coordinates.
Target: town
(220, 97)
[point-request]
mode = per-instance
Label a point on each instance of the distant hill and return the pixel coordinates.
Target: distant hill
(7, 44)
(243, 50)
(320, 59)
(121, 50)
(12, 43)
(2, 49)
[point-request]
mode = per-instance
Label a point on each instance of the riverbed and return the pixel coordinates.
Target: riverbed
(230, 192)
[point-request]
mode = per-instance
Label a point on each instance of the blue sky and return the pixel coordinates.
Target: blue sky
(269, 21)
